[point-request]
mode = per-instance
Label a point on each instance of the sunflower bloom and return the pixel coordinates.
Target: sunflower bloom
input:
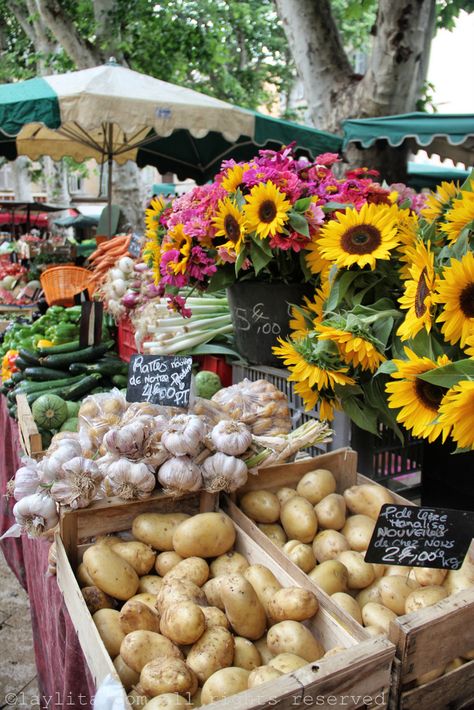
(316, 375)
(178, 240)
(455, 293)
(267, 209)
(315, 261)
(152, 256)
(408, 235)
(437, 203)
(457, 411)
(230, 223)
(459, 216)
(469, 351)
(312, 398)
(153, 213)
(360, 237)
(418, 401)
(419, 297)
(233, 177)
(354, 349)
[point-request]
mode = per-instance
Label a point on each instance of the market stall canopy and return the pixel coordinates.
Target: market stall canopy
(422, 175)
(79, 221)
(447, 135)
(15, 209)
(14, 205)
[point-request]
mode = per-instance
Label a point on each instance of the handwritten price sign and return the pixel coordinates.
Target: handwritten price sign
(256, 320)
(161, 379)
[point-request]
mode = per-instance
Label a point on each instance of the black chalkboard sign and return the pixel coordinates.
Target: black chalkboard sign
(421, 537)
(160, 379)
(135, 246)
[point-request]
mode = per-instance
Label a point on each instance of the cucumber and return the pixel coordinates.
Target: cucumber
(58, 349)
(43, 373)
(29, 357)
(85, 355)
(83, 387)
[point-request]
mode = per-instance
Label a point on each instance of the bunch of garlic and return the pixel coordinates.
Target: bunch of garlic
(128, 480)
(34, 514)
(79, 483)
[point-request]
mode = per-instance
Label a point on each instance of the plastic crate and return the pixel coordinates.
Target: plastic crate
(217, 364)
(384, 457)
(126, 339)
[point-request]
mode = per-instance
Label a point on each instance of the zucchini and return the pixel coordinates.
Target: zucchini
(58, 349)
(120, 381)
(21, 364)
(43, 386)
(29, 357)
(33, 396)
(81, 388)
(90, 354)
(105, 366)
(43, 373)
(17, 377)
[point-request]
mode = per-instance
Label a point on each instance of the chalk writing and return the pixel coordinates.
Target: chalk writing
(162, 380)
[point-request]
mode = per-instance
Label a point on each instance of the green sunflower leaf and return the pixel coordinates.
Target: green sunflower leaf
(340, 287)
(362, 415)
(332, 206)
(382, 329)
(302, 205)
(451, 374)
(223, 277)
(386, 368)
(304, 267)
(298, 223)
(240, 260)
(260, 258)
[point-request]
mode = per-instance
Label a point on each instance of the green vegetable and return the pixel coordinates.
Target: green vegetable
(207, 384)
(46, 438)
(83, 387)
(90, 354)
(49, 411)
(72, 409)
(43, 373)
(106, 366)
(29, 357)
(21, 363)
(120, 381)
(70, 424)
(27, 387)
(69, 347)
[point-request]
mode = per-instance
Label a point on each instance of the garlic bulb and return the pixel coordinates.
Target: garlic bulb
(126, 441)
(35, 514)
(180, 475)
(221, 472)
(50, 468)
(231, 437)
(184, 434)
(79, 484)
(26, 481)
(130, 481)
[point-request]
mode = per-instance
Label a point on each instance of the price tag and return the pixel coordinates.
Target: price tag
(135, 246)
(160, 379)
(421, 537)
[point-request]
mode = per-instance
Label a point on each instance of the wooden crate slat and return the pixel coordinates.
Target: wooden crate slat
(455, 690)
(30, 438)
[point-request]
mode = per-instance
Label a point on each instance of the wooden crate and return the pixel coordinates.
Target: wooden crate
(425, 639)
(30, 438)
(361, 673)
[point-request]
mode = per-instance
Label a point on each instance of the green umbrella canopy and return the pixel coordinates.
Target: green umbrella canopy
(421, 175)
(446, 135)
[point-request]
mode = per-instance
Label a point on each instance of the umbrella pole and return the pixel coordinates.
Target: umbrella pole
(109, 185)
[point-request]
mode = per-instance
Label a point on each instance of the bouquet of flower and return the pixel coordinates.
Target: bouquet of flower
(389, 335)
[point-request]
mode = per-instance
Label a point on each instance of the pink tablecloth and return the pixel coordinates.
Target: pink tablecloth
(63, 677)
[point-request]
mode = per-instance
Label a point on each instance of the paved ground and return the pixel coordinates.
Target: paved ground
(18, 688)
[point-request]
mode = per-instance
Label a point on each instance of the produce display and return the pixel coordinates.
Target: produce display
(106, 256)
(58, 325)
(326, 534)
(182, 612)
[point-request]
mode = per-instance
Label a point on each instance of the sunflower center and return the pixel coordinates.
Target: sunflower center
(232, 228)
(267, 211)
(429, 395)
(466, 300)
(361, 239)
(422, 291)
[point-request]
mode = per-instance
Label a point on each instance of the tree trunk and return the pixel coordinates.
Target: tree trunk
(127, 192)
(21, 179)
(56, 181)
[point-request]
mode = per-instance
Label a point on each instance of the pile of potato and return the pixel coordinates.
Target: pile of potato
(327, 534)
(207, 625)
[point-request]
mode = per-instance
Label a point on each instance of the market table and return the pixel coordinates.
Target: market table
(63, 677)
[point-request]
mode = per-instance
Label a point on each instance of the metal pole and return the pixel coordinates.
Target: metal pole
(109, 185)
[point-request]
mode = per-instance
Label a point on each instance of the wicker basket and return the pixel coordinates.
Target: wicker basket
(61, 283)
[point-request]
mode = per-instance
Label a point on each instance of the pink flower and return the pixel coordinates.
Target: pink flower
(293, 240)
(201, 266)
(178, 305)
(327, 159)
(361, 172)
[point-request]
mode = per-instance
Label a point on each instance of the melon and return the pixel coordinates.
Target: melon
(72, 409)
(49, 411)
(71, 424)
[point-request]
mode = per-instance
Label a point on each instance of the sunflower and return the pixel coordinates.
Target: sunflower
(233, 177)
(419, 296)
(152, 256)
(469, 351)
(457, 411)
(418, 401)
(267, 209)
(322, 295)
(459, 216)
(316, 263)
(354, 348)
(360, 237)
(456, 293)
(230, 223)
(321, 374)
(327, 402)
(303, 317)
(179, 240)
(153, 213)
(438, 202)
(408, 235)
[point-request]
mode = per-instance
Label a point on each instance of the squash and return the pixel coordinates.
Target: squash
(71, 424)
(49, 411)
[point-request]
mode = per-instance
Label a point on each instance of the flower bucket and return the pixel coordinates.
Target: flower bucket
(260, 314)
(447, 478)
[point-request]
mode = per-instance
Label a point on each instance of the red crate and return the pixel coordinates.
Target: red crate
(126, 339)
(217, 364)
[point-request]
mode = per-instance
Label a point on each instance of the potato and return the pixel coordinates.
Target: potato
(224, 683)
(299, 519)
(275, 532)
(397, 571)
(331, 512)
(246, 654)
(374, 614)
(262, 674)
(112, 574)
(168, 701)
(196, 699)
(165, 561)
(110, 630)
(331, 575)
(156, 529)
(293, 603)
(183, 623)
(349, 604)
(328, 544)
(242, 606)
(213, 651)
(214, 617)
(261, 506)
(394, 592)
(468, 655)
(83, 577)
(361, 573)
(230, 563)
(424, 596)
(179, 590)
(284, 493)
(452, 665)
(367, 499)
(265, 653)
(194, 569)
(167, 675)
(316, 485)
(140, 647)
(150, 584)
(135, 615)
(137, 699)
(301, 554)
(379, 570)
(145, 598)
(456, 581)
(293, 637)
(428, 577)
(108, 540)
(128, 676)
(212, 590)
(375, 631)
(371, 593)
(204, 535)
(287, 662)
(358, 531)
(140, 556)
(96, 599)
(334, 651)
(264, 583)
(430, 676)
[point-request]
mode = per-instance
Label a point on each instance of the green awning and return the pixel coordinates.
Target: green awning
(163, 188)
(422, 175)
